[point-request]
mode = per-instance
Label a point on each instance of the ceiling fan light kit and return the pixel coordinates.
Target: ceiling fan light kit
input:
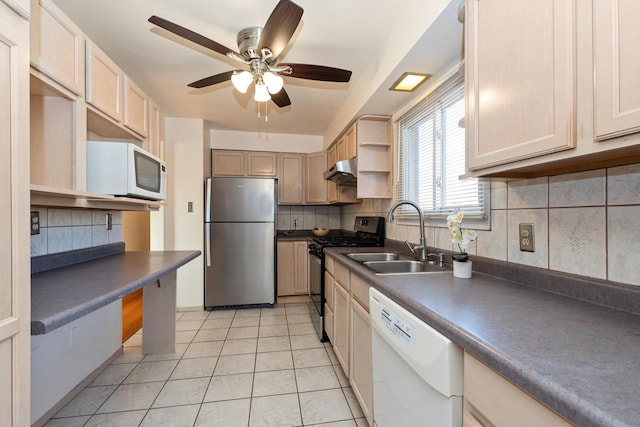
(259, 49)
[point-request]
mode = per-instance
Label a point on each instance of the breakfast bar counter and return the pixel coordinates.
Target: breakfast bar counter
(62, 295)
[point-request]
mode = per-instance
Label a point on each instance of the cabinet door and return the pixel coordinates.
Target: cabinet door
(291, 179)
(328, 289)
(15, 308)
(351, 143)
(301, 263)
(228, 163)
(155, 144)
(316, 185)
(341, 149)
(341, 326)
(136, 108)
(617, 67)
(105, 82)
(361, 376)
(502, 403)
(261, 164)
(286, 268)
(57, 46)
(520, 79)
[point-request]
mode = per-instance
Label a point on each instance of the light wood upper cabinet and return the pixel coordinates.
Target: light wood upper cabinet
(136, 108)
(291, 178)
(57, 46)
(351, 143)
(155, 140)
(261, 164)
(315, 185)
(292, 268)
(105, 82)
(15, 306)
(228, 163)
(617, 67)
(520, 79)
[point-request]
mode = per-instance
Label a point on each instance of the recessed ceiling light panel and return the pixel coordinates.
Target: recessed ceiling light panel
(409, 81)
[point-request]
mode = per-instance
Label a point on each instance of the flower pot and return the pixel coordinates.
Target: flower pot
(462, 270)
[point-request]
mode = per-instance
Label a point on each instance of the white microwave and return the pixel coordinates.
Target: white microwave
(124, 169)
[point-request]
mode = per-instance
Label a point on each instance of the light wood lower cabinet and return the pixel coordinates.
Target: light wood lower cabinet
(341, 326)
(293, 275)
(361, 375)
(492, 400)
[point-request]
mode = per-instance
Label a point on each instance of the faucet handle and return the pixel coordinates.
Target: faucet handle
(440, 256)
(411, 248)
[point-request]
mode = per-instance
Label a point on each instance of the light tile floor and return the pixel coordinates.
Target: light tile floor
(252, 367)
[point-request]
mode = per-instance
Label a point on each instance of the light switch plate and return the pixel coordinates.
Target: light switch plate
(526, 237)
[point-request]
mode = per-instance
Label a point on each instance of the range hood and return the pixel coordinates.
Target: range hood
(343, 172)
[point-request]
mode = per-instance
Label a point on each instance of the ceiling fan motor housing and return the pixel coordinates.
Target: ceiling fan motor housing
(248, 40)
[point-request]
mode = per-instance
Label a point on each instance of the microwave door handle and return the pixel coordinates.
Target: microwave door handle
(207, 243)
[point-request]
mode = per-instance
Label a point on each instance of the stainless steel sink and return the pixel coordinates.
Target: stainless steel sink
(378, 256)
(404, 267)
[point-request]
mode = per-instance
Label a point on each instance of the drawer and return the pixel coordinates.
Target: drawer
(342, 275)
(328, 288)
(360, 290)
(329, 264)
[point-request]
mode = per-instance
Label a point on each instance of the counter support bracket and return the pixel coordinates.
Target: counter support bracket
(159, 315)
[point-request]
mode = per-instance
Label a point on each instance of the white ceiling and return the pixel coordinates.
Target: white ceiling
(376, 39)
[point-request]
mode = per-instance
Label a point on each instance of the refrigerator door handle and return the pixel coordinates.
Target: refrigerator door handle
(207, 242)
(207, 201)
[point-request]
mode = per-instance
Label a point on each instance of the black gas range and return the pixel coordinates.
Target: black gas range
(369, 231)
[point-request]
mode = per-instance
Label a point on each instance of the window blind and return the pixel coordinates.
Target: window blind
(431, 156)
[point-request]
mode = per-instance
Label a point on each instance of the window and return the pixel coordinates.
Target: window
(431, 158)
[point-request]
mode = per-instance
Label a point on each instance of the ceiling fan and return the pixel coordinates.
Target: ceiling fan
(258, 50)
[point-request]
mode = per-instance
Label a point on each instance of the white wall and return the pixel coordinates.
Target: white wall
(183, 230)
(263, 141)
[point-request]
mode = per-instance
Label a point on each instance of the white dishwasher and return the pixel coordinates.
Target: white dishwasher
(417, 372)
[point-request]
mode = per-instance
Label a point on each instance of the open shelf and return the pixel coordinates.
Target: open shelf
(58, 197)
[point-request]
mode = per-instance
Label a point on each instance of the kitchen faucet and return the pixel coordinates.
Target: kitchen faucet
(423, 242)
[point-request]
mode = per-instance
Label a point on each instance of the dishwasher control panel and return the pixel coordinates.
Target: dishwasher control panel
(403, 331)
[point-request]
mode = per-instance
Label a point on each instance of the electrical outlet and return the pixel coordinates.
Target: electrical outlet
(109, 221)
(295, 223)
(35, 223)
(526, 238)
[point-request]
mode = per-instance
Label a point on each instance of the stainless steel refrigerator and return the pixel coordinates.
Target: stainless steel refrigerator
(239, 234)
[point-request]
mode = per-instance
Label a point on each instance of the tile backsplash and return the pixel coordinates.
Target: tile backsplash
(307, 217)
(586, 223)
(64, 230)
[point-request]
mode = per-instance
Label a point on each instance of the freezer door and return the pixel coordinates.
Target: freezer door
(241, 200)
(241, 270)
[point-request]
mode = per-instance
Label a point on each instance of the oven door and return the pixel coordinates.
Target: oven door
(316, 292)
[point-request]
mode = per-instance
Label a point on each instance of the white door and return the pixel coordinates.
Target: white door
(15, 284)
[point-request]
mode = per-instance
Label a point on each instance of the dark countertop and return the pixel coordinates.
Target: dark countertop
(65, 294)
(580, 359)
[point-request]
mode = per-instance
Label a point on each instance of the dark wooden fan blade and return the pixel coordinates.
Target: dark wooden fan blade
(211, 80)
(280, 26)
(318, 72)
(281, 99)
(190, 35)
